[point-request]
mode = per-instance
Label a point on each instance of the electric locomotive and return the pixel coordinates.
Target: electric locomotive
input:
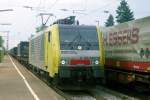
(68, 54)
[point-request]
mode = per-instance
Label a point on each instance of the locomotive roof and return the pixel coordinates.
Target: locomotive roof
(63, 26)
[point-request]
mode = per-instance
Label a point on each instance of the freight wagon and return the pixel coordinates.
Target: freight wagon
(127, 49)
(23, 51)
(13, 52)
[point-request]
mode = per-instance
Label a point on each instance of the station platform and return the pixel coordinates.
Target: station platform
(17, 83)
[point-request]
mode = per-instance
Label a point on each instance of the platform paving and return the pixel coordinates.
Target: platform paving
(14, 87)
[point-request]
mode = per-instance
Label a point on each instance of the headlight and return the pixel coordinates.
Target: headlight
(63, 62)
(79, 47)
(96, 62)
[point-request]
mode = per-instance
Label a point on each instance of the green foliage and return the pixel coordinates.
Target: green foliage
(110, 21)
(1, 41)
(124, 13)
(1, 49)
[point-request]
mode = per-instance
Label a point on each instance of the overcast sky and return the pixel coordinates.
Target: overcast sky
(25, 20)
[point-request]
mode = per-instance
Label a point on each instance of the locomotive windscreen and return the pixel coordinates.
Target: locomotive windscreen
(78, 37)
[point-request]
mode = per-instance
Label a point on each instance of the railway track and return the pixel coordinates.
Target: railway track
(80, 95)
(108, 94)
(97, 93)
(129, 91)
(70, 94)
(100, 93)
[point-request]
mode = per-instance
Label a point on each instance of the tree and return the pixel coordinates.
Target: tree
(124, 13)
(110, 21)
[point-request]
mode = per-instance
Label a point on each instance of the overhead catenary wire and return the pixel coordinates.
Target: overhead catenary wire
(85, 5)
(56, 1)
(39, 3)
(102, 8)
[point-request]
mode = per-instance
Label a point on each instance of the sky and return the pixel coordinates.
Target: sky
(25, 20)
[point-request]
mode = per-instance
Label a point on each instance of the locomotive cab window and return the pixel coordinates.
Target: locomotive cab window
(49, 36)
(78, 38)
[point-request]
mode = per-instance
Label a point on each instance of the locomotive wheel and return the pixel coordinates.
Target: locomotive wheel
(55, 80)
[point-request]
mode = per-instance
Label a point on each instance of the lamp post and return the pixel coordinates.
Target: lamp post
(6, 10)
(7, 32)
(98, 21)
